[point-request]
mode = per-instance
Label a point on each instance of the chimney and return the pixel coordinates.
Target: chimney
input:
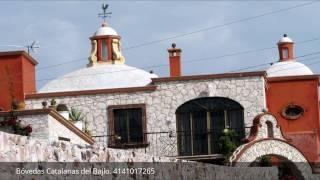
(17, 72)
(285, 47)
(174, 61)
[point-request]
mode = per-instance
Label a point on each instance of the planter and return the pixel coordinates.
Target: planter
(65, 114)
(53, 107)
(78, 124)
(21, 105)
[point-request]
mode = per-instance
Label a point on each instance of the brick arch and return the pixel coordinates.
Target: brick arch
(251, 151)
(258, 144)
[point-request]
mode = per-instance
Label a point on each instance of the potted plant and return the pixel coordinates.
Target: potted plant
(53, 103)
(44, 104)
(21, 105)
(226, 143)
(63, 110)
(76, 117)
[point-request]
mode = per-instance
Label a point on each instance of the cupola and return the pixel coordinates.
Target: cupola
(105, 45)
(287, 65)
(285, 47)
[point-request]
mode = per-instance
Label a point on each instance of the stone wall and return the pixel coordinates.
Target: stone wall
(47, 128)
(56, 130)
(39, 124)
(14, 148)
(162, 103)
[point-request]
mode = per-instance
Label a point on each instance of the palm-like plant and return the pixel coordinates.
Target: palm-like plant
(75, 115)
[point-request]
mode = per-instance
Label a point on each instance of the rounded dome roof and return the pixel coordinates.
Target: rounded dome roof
(288, 68)
(100, 77)
(105, 30)
(285, 39)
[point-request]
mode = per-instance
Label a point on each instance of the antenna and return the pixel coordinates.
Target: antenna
(105, 14)
(34, 45)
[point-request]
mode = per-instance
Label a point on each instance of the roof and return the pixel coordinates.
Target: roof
(288, 68)
(91, 92)
(56, 116)
(209, 76)
(19, 53)
(285, 40)
(106, 76)
(294, 78)
(105, 30)
(144, 88)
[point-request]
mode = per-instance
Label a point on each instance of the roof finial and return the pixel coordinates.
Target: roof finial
(105, 14)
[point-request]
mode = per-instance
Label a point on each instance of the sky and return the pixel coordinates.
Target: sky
(63, 28)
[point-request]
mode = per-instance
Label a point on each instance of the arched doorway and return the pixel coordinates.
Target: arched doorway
(286, 168)
(200, 123)
(266, 139)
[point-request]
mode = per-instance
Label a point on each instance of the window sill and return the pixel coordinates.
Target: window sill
(128, 146)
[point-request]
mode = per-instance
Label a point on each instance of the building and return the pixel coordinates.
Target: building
(129, 108)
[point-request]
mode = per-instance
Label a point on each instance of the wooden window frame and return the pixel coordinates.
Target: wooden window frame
(111, 138)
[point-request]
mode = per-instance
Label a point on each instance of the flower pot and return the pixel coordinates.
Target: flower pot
(65, 114)
(21, 105)
(78, 124)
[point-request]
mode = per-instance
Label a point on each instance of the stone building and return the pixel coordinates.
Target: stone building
(182, 116)
(127, 107)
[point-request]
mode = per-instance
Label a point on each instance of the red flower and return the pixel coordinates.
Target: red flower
(28, 129)
(12, 122)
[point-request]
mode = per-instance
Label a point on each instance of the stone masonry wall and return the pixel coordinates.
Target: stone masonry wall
(162, 104)
(45, 127)
(56, 130)
(15, 148)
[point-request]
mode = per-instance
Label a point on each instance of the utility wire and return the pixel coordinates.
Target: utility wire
(204, 29)
(186, 61)
(271, 62)
(222, 25)
(94, 74)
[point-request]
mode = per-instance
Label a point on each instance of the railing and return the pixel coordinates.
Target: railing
(169, 143)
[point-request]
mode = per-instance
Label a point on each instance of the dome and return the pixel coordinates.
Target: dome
(285, 39)
(105, 30)
(100, 77)
(288, 68)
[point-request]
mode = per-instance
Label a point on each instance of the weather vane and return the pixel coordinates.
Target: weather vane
(105, 14)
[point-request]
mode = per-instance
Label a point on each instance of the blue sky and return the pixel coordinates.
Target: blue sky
(63, 30)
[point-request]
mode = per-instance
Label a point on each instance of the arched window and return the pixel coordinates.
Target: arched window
(200, 123)
(104, 49)
(269, 129)
(285, 53)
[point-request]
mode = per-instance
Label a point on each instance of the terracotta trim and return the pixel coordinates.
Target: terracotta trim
(105, 37)
(111, 141)
(56, 116)
(256, 125)
(210, 76)
(19, 53)
(25, 112)
(91, 92)
(293, 78)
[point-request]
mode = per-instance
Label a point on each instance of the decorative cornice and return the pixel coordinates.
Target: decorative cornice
(210, 76)
(91, 92)
(19, 53)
